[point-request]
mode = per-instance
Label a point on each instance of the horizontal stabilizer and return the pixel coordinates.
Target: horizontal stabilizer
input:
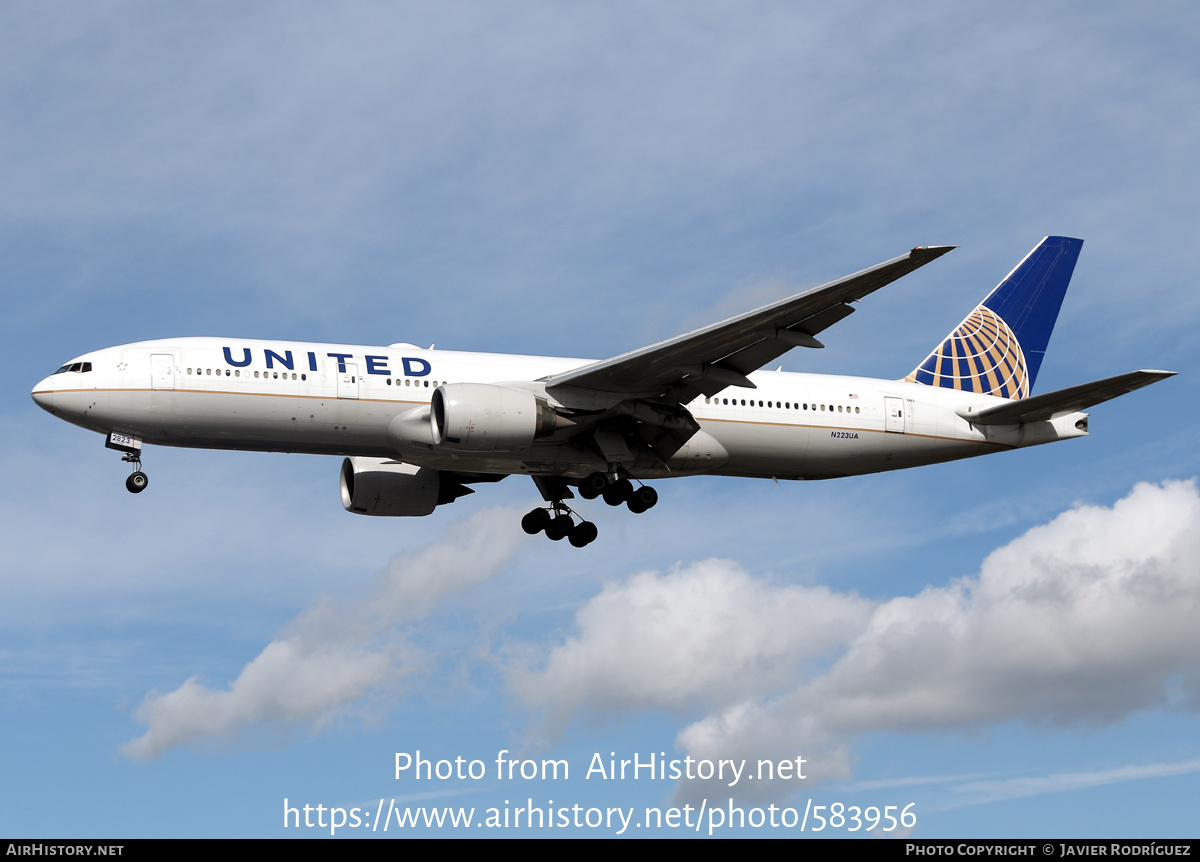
(1062, 402)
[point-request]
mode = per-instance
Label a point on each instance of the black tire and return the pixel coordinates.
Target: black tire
(563, 523)
(560, 527)
(646, 497)
(593, 486)
(618, 492)
(137, 482)
(583, 534)
(536, 521)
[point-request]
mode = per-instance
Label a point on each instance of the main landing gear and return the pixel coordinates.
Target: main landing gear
(137, 481)
(558, 524)
(618, 491)
(556, 521)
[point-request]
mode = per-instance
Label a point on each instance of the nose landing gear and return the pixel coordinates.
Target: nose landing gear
(137, 481)
(131, 449)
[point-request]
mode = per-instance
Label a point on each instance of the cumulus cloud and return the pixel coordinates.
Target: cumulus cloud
(1083, 620)
(331, 657)
(704, 635)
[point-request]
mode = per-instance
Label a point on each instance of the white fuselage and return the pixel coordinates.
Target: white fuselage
(225, 393)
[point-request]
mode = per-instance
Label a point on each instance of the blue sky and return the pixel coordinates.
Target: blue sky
(1003, 642)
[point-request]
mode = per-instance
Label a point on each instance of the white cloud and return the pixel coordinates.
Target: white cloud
(706, 635)
(288, 683)
(974, 792)
(333, 656)
(1083, 620)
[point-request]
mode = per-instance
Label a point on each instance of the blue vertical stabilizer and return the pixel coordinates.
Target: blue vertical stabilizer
(999, 348)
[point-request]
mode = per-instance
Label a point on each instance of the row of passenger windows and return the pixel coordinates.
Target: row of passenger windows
(237, 372)
(784, 405)
(408, 381)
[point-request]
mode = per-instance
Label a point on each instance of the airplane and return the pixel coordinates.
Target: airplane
(416, 427)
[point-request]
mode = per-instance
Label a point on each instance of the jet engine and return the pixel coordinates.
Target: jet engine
(381, 486)
(482, 417)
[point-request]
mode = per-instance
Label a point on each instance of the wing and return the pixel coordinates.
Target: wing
(705, 361)
(1063, 402)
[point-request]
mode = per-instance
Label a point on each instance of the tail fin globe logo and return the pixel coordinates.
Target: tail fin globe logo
(982, 355)
(998, 349)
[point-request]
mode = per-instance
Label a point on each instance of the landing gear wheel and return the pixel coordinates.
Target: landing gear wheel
(584, 533)
(593, 486)
(559, 528)
(137, 482)
(618, 492)
(642, 499)
(536, 521)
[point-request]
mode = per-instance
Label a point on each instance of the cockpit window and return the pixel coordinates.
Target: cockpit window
(78, 367)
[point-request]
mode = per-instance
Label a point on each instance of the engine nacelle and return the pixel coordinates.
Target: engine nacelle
(481, 417)
(380, 486)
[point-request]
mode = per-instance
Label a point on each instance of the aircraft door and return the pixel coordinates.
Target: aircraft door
(162, 371)
(348, 381)
(893, 410)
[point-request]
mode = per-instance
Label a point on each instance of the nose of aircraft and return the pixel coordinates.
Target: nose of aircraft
(43, 394)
